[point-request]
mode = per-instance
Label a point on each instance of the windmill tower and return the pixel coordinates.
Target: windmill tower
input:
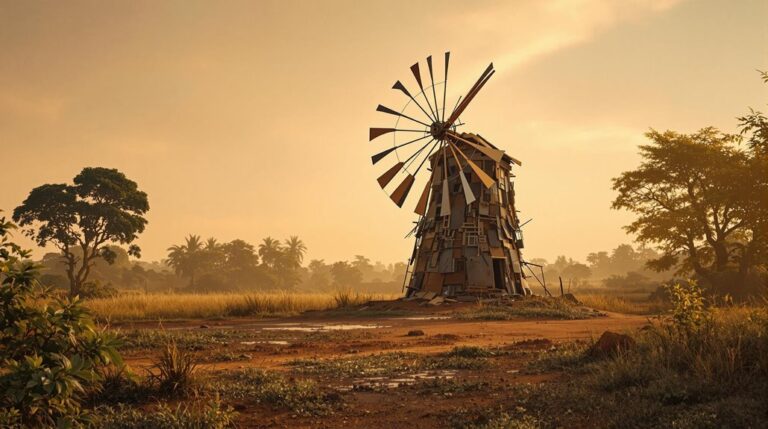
(468, 238)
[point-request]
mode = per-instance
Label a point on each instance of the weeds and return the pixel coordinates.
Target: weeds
(208, 415)
(263, 387)
(175, 371)
(539, 307)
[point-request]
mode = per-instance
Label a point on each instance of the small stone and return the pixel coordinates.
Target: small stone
(611, 344)
(415, 333)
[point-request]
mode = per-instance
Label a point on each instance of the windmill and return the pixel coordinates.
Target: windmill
(468, 236)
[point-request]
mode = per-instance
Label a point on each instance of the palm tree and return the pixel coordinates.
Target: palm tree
(183, 258)
(294, 251)
(270, 251)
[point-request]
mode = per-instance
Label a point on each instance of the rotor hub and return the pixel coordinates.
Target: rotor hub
(437, 129)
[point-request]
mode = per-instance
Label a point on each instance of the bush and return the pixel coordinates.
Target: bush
(50, 350)
(209, 415)
(175, 370)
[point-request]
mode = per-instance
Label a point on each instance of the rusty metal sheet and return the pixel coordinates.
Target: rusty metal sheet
(497, 252)
(433, 282)
(456, 278)
(493, 238)
(445, 264)
(457, 213)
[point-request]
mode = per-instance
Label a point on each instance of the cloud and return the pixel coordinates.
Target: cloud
(517, 33)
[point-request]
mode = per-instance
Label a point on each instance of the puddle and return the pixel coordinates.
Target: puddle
(424, 318)
(276, 342)
(401, 380)
(315, 328)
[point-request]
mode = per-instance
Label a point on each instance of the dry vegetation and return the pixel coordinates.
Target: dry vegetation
(214, 305)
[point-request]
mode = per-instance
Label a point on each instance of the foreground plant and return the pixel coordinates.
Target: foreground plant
(50, 350)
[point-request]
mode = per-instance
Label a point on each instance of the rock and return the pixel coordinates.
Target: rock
(415, 333)
(204, 326)
(611, 344)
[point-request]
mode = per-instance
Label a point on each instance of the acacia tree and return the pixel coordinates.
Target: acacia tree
(101, 207)
(693, 195)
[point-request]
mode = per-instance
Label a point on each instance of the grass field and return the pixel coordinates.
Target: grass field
(193, 306)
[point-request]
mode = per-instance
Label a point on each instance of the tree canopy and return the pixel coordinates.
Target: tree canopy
(102, 206)
(697, 198)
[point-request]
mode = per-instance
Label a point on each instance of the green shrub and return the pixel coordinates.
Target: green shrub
(210, 415)
(50, 350)
(263, 387)
(175, 370)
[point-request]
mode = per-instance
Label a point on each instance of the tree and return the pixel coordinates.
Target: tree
(345, 275)
(185, 258)
(319, 274)
(294, 251)
(576, 271)
(693, 198)
(270, 252)
(102, 206)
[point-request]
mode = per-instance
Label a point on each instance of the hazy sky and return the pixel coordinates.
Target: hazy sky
(248, 119)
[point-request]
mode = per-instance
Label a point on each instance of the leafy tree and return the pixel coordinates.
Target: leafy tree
(345, 274)
(102, 206)
(50, 350)
(319, 274)
(577, 271)
(693, 196)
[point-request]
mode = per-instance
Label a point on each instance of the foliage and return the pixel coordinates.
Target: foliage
(232, 266)
(101, 207)
(265, 387)
(688, 309)
(533, 307)
(50, 348)
(692, 199)
(208, 415)
(174, 371)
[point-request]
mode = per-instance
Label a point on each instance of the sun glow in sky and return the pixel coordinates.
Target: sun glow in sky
(249, 119)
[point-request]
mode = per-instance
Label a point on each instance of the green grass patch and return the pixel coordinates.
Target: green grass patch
(302, 397)
(529, 308)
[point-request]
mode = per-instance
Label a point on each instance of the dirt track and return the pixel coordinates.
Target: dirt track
(271, 344)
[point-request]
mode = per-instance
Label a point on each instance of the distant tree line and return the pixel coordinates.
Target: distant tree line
(238, 265)
(623, 267)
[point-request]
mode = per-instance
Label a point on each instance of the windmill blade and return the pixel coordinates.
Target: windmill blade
(417, 74)
(445, 204)
(471, 94)
(399, 86)
(376, 132)
(485, 178)
(376, 158)
(386, 109)
(445, 80)
(469, 196)
(494, 154)
(421, 206)
(401, 192)
(387, 177)
(432, 79)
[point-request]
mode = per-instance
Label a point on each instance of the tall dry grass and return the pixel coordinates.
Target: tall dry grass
(618, 304)
(199, 306)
